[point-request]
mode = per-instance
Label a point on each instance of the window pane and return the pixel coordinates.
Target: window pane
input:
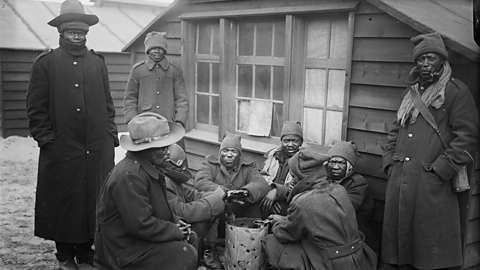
(215, 111)
(262, 82)
(264, 39)
(215, 80)
(313, 125)
(204, 38)
(315, 86)
(245, 80)
(243, 114)
(336, 88)
(245, 38)
(318, 39)
(279, 39)
(203, 77)
(277, 119)
(278, 77)
(203, 105)
(333, 130)
(215, 39)
(338, 47)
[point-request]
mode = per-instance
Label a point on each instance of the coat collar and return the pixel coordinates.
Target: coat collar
(151, 64)
(317, 179)
(144, 163)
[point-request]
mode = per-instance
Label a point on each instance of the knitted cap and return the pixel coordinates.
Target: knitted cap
(231, 140)
(346, 150)
(428, 43)
(73, 25)
(154, 40)
(305, 162)
(292, 128)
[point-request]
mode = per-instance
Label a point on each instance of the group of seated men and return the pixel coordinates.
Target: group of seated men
(153, 214)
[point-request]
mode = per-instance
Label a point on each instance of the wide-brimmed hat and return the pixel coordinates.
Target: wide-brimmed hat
(150, 130)
(72, 10)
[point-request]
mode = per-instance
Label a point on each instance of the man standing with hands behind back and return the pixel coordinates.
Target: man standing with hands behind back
(71, 115)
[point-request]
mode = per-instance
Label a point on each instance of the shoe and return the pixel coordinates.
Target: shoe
(86, 263)
(211, 261)
(68, 264)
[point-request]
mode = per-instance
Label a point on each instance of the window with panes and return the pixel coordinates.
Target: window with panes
(260, 82)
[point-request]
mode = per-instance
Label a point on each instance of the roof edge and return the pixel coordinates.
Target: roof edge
(452, 44)
(154, 20)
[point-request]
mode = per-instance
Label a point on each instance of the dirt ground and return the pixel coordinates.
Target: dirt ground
(19, 248)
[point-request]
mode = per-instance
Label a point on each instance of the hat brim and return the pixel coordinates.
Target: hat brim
(176, 134)
(89, 19)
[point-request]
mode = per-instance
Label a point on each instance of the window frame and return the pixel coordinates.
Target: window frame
(294, 66)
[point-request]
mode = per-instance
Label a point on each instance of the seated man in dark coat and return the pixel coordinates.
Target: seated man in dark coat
(200, 209)
(234, 174)
(320, 230)
(341, 170)
(135, 228)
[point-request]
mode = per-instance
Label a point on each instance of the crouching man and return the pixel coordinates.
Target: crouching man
(320, 230)
(240, 178)
(135, 228)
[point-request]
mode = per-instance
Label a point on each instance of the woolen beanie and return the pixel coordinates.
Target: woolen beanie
(231, 140)
(73, 25)
(305, 162)
(428, 43)
(291, 128)
(346, 150)
(154, 40)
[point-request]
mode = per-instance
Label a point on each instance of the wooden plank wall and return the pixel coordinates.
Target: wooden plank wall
(15, 74)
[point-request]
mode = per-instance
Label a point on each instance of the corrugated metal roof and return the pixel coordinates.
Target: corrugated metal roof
(23, 24)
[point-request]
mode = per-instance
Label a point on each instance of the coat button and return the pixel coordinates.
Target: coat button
(76, 85)
(410, 135)
(421, 88)
(185, 249)
(75, 63)
(158, 107)
(78, 109)
(88, 152)
(158, 93)
(407, 159)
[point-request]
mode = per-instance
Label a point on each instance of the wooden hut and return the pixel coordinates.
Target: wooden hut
(24, 34)
(339, 67)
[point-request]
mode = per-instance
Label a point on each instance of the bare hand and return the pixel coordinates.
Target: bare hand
(277, 208)
(268, 200)
(185, 229)
(274, 218)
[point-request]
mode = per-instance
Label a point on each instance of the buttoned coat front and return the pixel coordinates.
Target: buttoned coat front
(213, 174)
(422, 223)
(72, 117)
(156, 87)
(135, 227)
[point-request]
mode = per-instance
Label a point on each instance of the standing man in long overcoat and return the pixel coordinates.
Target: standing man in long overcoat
(71, 116)
(421, 228)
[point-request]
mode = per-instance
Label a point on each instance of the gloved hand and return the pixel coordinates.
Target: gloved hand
(237, 196)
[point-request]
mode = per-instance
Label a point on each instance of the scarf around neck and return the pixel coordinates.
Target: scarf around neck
(434, 95)
(73, 49)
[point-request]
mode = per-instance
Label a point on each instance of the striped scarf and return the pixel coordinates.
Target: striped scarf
(434, 95)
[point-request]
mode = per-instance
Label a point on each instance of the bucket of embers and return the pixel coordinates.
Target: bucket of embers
(244, 244)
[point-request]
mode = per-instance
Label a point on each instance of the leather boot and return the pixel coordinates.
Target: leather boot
(68, 264)
(210, 259)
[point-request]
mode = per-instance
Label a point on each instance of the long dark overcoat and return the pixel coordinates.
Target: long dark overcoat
(422, 224)
(135, 227)
(72, 118)
(320, 231)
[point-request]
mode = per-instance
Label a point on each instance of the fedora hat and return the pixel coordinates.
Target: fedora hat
(72, 10)
(150, 130)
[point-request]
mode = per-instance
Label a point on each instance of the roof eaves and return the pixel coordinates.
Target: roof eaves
(141, 33)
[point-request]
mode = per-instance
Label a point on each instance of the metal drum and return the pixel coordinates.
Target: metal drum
(244, 244)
